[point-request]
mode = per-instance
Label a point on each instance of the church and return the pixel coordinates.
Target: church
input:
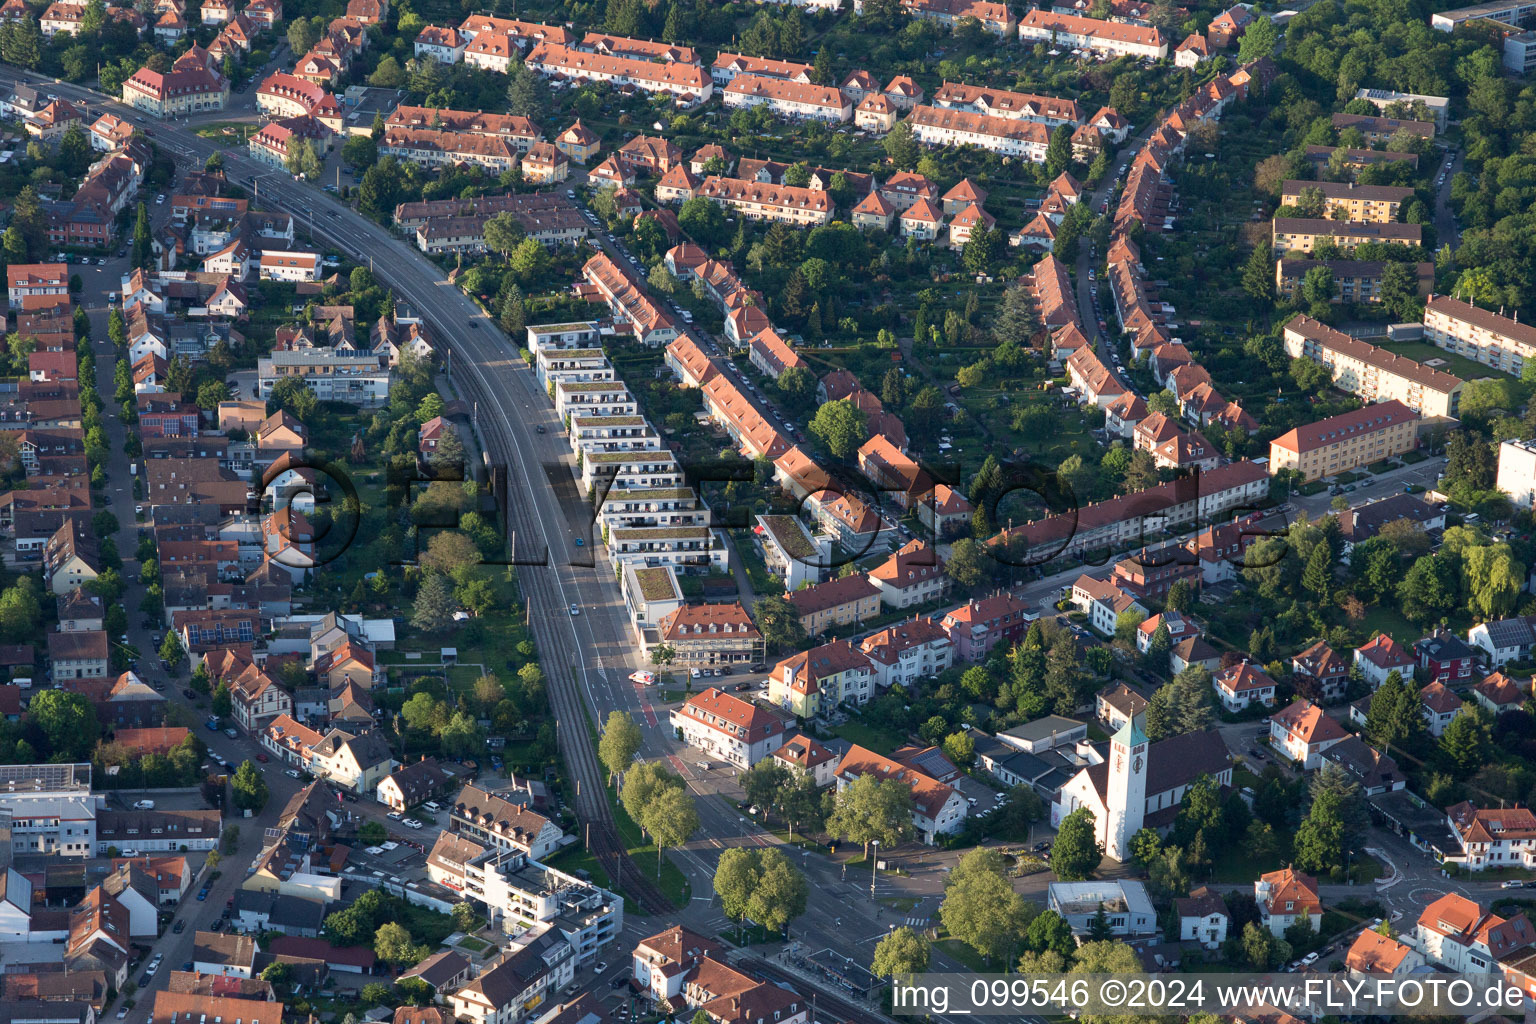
(1139, 784)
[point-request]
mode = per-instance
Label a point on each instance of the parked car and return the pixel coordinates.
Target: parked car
(293, 773)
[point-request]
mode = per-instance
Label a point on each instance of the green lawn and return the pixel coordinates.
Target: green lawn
(1461, 366)
(881, 741)
(1391, 622)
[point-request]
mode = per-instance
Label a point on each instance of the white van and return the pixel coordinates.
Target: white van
(432, 806)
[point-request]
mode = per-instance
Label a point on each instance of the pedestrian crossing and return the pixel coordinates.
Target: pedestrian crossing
(918, 922)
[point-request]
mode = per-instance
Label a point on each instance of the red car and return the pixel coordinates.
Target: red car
(261, 757)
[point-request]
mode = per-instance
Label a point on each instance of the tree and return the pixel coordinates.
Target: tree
(1395, 717)
(1077, 851)
(642, 784)
(302, 35)
(780, 893)
(980, 907)
(434, 606)
(1146, 844)
(620, 742)
(703, 220)
(1256, 44)
(249, 788)
(67, 722)
(778, 622)
(1467, 742)
(1050, 932)
(503, 232)
(901, 147)
(735, 878)
(840, 426)
(392, 944)
(871, 809)
(1058, 153)
(372, 832)
(302, 159)
(902, 951)
(1318, 577)
(171, 650)
(761, 783)
(671, 819)
(143, 246)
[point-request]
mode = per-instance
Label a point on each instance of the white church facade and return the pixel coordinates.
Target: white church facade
(1140, 784)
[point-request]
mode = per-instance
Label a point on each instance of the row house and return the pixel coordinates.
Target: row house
(1129, 519)
(727, 66)
(1071, 31)
(1047, 110)
(519, 131)
(940, 126)
(792, 100)
(688, 84)
(787, 204)
(629, 301)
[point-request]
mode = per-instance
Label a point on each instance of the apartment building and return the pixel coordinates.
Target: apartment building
(1071, 31)
(1481, 334)
(1374, 204)
(519, 131)
(918, 648)
(1348, 441)
(1517, 471)
(518, 892)
(1374, 374)
(177, 92)
(787, 204)
(820, 679)
(727, 727)
(1291, 235)
(1353, 280)
(942, 126)
(333, 376)
(795, 101)
(715, 634)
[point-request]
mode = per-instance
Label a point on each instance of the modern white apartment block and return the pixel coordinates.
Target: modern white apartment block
(1517, 472)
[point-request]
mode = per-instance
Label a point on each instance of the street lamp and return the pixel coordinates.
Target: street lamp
(874, 865)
